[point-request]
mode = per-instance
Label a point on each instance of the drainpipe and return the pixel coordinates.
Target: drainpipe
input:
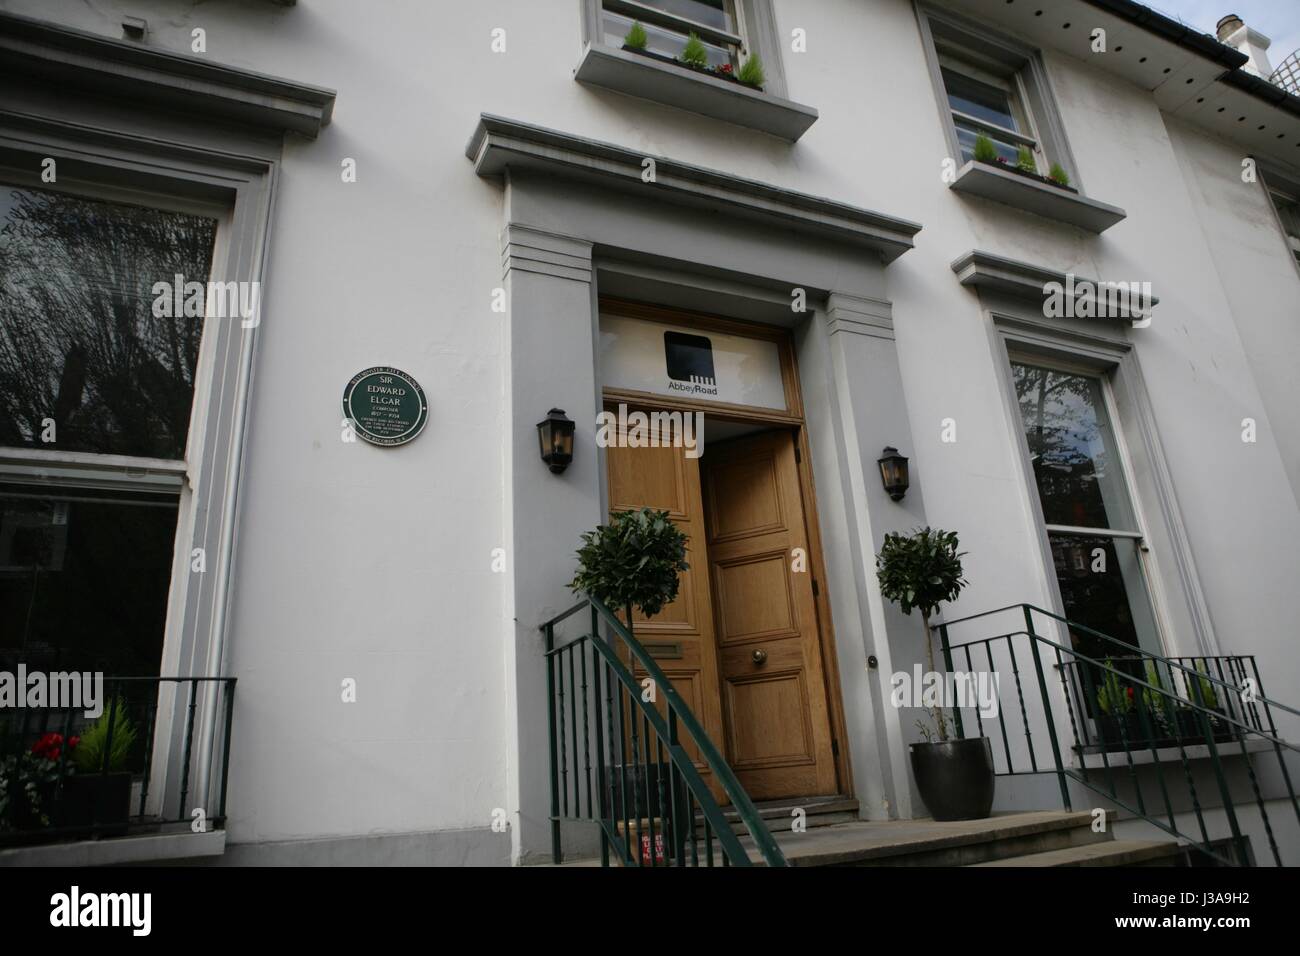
(1232, 31)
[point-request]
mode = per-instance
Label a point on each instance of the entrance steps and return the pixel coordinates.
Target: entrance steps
(1048, 838)
(779, 814)
(1042, 838)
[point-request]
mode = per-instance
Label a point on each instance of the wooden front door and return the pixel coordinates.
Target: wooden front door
(680, 637)
(773, 690)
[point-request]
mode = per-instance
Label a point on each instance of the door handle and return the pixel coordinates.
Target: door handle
(759, 656)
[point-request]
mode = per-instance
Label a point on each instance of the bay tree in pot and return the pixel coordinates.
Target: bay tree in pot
(920, 571)
(636, 561)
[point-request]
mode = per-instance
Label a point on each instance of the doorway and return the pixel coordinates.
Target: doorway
(742, 643)
(746, 642)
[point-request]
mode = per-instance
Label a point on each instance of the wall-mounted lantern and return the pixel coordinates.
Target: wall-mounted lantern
(893, 472)
(555, 434)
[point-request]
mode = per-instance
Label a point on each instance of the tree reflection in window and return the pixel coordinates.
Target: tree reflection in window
(1072, 449)
(79, 343)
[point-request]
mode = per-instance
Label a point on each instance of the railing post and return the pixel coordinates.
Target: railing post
(556, 851)
(1229, 810)
(600, 746)
(229, 685)
(947, 663)
(1047, 706)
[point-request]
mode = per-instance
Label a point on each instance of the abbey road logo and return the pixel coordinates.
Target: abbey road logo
(690, 364)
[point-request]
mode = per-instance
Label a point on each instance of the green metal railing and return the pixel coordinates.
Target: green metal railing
(1132, 715)
(648, 794)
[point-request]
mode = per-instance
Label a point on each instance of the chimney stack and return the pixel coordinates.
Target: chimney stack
(1228, 26)
(1233, 32)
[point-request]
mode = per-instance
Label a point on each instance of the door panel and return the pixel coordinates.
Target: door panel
(774, 707)
(681, 636)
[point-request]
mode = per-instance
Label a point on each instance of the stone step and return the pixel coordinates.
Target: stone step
(1107, 853)
(927, 842)
(822, 811)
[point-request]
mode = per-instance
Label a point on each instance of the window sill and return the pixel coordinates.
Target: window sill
(650, 79)
(1117, 760)
(153, 848)
(1053, 202)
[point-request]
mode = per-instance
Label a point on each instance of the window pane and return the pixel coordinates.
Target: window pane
(981, 100)
(966, 135)
(84, 579)
(1288, 210)
(711, 13)
(1102, 587)
(661, 41)
(1072, 448)
(79, 344)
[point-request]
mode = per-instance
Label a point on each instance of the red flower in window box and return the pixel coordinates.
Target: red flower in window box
(50, 746)
(725, 68)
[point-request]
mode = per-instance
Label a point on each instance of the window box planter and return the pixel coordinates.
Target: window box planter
(1012, 168)
(94, 799)
(1116, 732)
(720, 74)
(665, 80)
(1032, 193)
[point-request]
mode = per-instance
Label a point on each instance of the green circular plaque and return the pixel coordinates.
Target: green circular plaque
(386, 406)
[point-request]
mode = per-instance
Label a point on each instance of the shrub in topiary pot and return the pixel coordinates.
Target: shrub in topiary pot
(920, 571)
(634, 561)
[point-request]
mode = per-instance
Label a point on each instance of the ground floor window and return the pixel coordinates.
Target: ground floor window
(1091, 523)
(96, 386)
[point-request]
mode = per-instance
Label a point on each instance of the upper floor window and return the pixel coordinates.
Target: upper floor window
(985, 98)
(669, 24)
(1002, 124)
(732, 71)
(1288, 214)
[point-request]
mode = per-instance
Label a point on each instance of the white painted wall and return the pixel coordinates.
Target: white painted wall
(375, 563)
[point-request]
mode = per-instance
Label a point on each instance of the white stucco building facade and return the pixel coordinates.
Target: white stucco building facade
(459, 191)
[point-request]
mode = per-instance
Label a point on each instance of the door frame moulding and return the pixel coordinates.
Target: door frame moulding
(793, 419)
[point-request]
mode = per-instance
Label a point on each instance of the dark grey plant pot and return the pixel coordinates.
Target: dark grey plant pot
(101, 800)
(955, 778)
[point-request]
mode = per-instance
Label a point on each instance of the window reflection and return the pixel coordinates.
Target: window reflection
(1072, 449)
(79, 344)
(84, 578)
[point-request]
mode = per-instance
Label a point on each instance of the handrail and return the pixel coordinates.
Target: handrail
(681, 766)
(1146, 716)
(1129, 648)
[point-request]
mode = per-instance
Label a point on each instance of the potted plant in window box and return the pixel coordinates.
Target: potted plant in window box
(986, 152)
(921, 570)
(1119, 724)
(99, 793)
(1220, 726)
(29, 779)
(636, 561)
(695, 56)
